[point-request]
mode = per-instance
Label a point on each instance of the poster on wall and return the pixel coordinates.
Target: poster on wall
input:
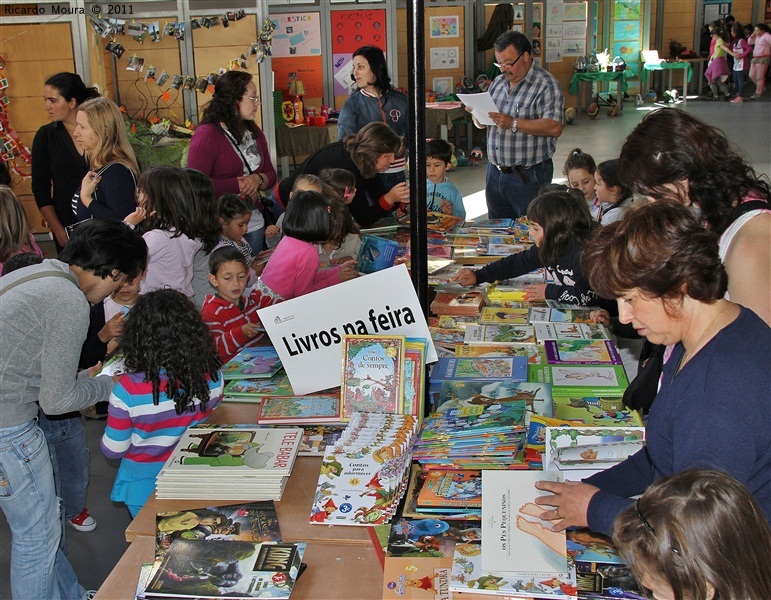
(444, 58)
(352, 29)
(444, 26)
(297, 35)
(628, 10)
(574, 30)
(624, 31)
(574, 11)
(309, 70)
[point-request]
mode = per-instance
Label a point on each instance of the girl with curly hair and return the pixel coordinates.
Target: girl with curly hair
(172, 381)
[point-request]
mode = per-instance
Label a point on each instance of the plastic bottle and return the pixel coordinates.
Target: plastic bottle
(299, 117)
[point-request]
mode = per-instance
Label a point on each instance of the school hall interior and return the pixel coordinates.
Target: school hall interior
(193, 42)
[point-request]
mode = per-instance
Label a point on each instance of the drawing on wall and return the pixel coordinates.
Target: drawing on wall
(574, 30)
(627, 11)
(536, 48)
(574, 47)
(519, 14)
(352, 29)
(626, 31)
(444, 58)
(537, 12)
(554, 13)
(554, 30)
(444, 27)
(518, 27)
(536, 29)
(297, 35)
(629, 51)
(575, 11)
(442, 85)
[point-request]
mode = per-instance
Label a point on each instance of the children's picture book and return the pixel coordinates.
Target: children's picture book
(434, 537)
(465, 394)
(222, 568)
(447, 337)
(570, 331)
(488, 225)
(451, 489)
(251, 522)
(456, 322)
(584, 380)
(576, 352)
(600, 571)
(317, 438)
(499, 334)
(375, 254)
(511, 368)
(590, 448)
(483, 350)
(372, 374)
(246, 451)
(500, 245)
(451, 303)
(410, 578)
(505, 316)
(436, 221)
(258, 362)
(413, 397)
(299, 410)
(602, 412)
(252, 390)
(574, 314)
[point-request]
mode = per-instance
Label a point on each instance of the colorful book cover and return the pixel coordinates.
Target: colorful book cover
(486, 225)
(587, 352)
(252, 522)
(414, 378)
(453, 488)
(451, 303)
(413, 578)
(456, 321)
(220, 569)
(596, 448)
(317, 438)
(311, 409)
(499, 334)
(504, 316)
(583, 381)
(530, 351)
(433, 537)
(570, 331)
(255, 389)
(372, 374)
(465, 394)
(259, 362)
(447, 337)
(375, 254)
(602, 412)
(574, 314)
(223, 451)
(512, 368)
(474, 421)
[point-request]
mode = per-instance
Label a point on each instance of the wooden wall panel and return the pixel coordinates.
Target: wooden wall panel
(23, 46)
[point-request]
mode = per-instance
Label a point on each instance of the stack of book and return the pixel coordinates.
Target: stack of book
(257, 362)
(234, 462)
(508, 368)
(364, 476)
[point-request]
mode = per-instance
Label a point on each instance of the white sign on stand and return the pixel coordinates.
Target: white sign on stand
(307, 331)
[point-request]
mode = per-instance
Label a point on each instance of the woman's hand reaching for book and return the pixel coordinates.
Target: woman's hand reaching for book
(535, 292)
(571, 501)
(465, 277)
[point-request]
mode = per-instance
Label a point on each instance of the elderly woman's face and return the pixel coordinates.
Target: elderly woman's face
(85, 134)
(249, 103)
(649, 317)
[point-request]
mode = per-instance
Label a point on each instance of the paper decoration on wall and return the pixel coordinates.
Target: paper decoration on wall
(352, 29)
(444, 27)
(12, 150)
(296, 35)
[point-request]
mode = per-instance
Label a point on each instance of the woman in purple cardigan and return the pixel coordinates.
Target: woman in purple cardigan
(230, 148)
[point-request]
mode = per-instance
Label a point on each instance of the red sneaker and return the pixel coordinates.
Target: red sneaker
(83, 522)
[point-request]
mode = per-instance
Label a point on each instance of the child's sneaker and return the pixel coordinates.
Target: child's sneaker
(737, 99)
(83, 522)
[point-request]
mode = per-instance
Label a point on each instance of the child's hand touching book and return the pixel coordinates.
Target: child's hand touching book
(348, 271)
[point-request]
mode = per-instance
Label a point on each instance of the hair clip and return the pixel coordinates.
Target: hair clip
(658, 156)
(644, 520)
(329, 209)
(347, 192)
(576, 152)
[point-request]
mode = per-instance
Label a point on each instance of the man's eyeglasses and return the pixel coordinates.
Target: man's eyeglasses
(508, 65)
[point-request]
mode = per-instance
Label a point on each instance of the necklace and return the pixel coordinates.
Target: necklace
(687, 354)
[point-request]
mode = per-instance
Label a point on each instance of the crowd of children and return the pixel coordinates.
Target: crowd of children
(737, 53)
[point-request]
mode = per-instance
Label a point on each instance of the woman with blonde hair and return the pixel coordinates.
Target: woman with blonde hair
(107, 190)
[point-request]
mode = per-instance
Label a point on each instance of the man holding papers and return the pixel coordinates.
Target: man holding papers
(523, 137)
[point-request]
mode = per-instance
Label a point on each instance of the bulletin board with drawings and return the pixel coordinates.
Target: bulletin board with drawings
(352, 29)
(297, 53)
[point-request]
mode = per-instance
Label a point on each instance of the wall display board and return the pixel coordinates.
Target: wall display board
(352, 29)
(297, 52)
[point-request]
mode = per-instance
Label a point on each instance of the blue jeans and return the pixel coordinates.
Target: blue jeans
(256, 239)
(69, 454)
(739, 81)
(28, 500)
(508, 196)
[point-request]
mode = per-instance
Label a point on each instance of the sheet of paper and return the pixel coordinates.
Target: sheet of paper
(481, 104)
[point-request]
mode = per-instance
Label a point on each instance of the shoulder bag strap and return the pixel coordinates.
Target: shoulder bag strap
(27, 278)
(237, 147)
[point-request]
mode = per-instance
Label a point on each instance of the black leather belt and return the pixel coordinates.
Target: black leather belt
(519, 169)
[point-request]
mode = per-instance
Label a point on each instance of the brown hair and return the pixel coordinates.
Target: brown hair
(672, 147)
(696, 529)
(113, 146)
(565, 220)
(659, 248)
(14, 230)
(370, 143)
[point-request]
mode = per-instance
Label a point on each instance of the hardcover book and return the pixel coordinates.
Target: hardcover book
(574, 314)
(453, 489)
(489, 225)
(299, 410)
(504, 316)
(451, 303)
(499, 334)
(583, 381)
(252, 390)
(375, 254)
(576, 352)
(492, 350)
(511, 368)
(570, 331)
(372, 374)
(258, 362)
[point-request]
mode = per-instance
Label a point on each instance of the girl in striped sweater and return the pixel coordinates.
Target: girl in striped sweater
(172, 381)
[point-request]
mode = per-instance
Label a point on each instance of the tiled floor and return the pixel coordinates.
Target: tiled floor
(94, 554)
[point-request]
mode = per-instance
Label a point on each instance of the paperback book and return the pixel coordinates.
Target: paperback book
(570, 331)
(375, 254)
(577, 352)
(314, 409)
(504, 316)
(258, 362)
(574, 314)
(253, 390)
(492, 350)
(511, 368)
(450, 490)
(593, 449)
(499, 334)
(583, 381)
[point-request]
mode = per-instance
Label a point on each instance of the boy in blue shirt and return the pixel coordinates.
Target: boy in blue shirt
(442, 195)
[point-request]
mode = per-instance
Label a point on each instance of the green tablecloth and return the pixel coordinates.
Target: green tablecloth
(620, 76)
(666, 67)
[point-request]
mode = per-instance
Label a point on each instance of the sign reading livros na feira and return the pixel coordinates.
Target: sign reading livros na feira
(308, 331)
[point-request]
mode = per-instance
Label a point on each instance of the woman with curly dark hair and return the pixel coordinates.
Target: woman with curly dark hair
(365, 154)
(230, 148)
(673, 155)
(171, 381)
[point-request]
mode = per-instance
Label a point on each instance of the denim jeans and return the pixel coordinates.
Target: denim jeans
(28, 500)
(69, 454)
(508, 196)
(256, 239)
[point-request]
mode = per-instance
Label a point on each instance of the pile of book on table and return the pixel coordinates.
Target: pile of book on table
(232, 551)
(232, 462)
(364, 475)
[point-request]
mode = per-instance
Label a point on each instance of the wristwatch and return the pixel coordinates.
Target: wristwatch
(514, 125)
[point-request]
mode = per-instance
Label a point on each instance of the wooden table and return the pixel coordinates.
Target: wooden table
(598, 76)
(342, 571)
(301, 141)
(683, 66)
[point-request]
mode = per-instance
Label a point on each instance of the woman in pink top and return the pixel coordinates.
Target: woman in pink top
(294, 269)
(761, 56)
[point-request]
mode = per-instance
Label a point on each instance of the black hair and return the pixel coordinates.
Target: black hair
(578, 159)
(565, 220)
(500, 21)
(170, 202)
(342, 222)
(513, 38)
(230, 206)
(204, 200)
(308, 218)
(5, 174)
(104, 246)
(70, 85)
(439, 148)
(552, 187)
(224, 255)
(377, 64)
(608, 170)
(165, 332)
(223, 107)
(21, 260)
